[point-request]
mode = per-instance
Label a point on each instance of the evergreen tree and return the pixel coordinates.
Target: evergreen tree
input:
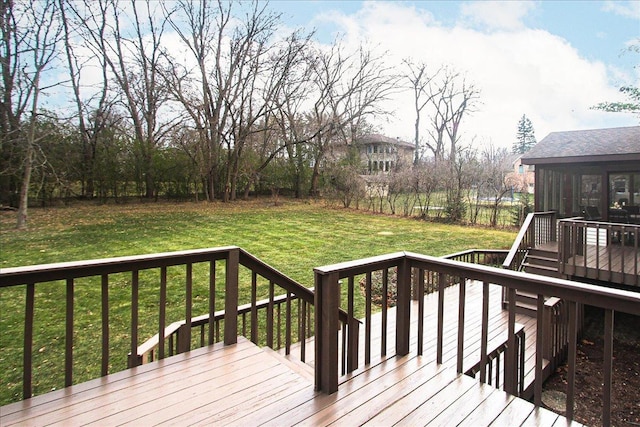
(525, 137)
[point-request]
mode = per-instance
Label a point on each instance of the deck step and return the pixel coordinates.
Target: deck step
(541, 270)
(292, 363)
(542, 260)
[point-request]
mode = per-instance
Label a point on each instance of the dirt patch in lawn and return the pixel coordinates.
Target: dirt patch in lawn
(626, 372)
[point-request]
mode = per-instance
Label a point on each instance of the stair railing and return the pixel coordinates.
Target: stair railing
(328, 282)
(538, 228)
(153, 289)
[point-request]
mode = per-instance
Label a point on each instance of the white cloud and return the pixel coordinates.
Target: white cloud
(519, 71)
(497, 15)
(629, 9)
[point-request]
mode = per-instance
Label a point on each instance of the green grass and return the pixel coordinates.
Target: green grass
(293, 237)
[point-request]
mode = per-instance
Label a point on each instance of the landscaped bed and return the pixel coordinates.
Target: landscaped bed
(626, 373)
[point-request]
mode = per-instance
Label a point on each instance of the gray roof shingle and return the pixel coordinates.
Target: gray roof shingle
(586, 145)
(381, 139)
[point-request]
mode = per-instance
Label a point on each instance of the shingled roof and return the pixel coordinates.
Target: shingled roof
(381, 139)
(613, 144)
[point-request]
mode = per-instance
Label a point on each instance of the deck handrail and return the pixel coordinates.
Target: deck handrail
(576, 294)
(480, 256)
(146, 350)
(599, 250)
(537, 228)
(230, 317)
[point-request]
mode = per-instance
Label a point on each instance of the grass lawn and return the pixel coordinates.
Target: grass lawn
(293, 237)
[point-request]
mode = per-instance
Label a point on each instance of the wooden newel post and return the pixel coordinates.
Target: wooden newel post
(352, 349)
(511, 361)
(403, 308)
(231, 298)
(327, 302)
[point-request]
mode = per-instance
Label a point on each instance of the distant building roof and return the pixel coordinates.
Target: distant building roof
(374, 138)
(594, 145)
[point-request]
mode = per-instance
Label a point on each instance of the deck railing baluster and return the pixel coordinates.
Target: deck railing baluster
(484, 333)
(68, 351)
(420, 311)
(461, 313)
(279, 325)
(212, 302)
(104, 296)
(440, 326)
(367, 330)
(188, 305)
(287, 344)
(302, 329)
(133, 359)
(269, 318)
(27, 352)
(383, 303)
(254, 308)
(351, 360)
(162, 311)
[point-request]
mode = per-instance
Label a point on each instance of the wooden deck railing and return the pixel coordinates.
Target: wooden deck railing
(490, 369)
(600, 251)
(284, 319)
(538, 228)
(328, 302)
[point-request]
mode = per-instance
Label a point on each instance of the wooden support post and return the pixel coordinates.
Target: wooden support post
(607, 368)
(352, 354)
(403, 308)
(327, 301)
(571, 359)
(511, 360)
(231, 298)
(541, 313)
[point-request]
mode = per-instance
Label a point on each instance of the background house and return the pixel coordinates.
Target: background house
(381, 154)
(520, 176)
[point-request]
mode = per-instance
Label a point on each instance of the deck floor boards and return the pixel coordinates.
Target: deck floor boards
(244, 385)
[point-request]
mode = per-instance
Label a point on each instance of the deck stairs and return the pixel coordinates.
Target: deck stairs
(542, 261)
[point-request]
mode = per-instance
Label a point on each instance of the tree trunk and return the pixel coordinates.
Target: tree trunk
(24, 190)
(315, 176)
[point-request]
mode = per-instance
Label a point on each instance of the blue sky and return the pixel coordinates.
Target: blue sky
(551, 60)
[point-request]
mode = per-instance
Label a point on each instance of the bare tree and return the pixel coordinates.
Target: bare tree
(236, 86)
(420, 81)
(494, 184)
(31, 32)
(92, 111)
(454, 98)
(347, 88)
(129, 38)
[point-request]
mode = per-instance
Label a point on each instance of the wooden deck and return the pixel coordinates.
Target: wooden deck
(616, 263)
(245, 385)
